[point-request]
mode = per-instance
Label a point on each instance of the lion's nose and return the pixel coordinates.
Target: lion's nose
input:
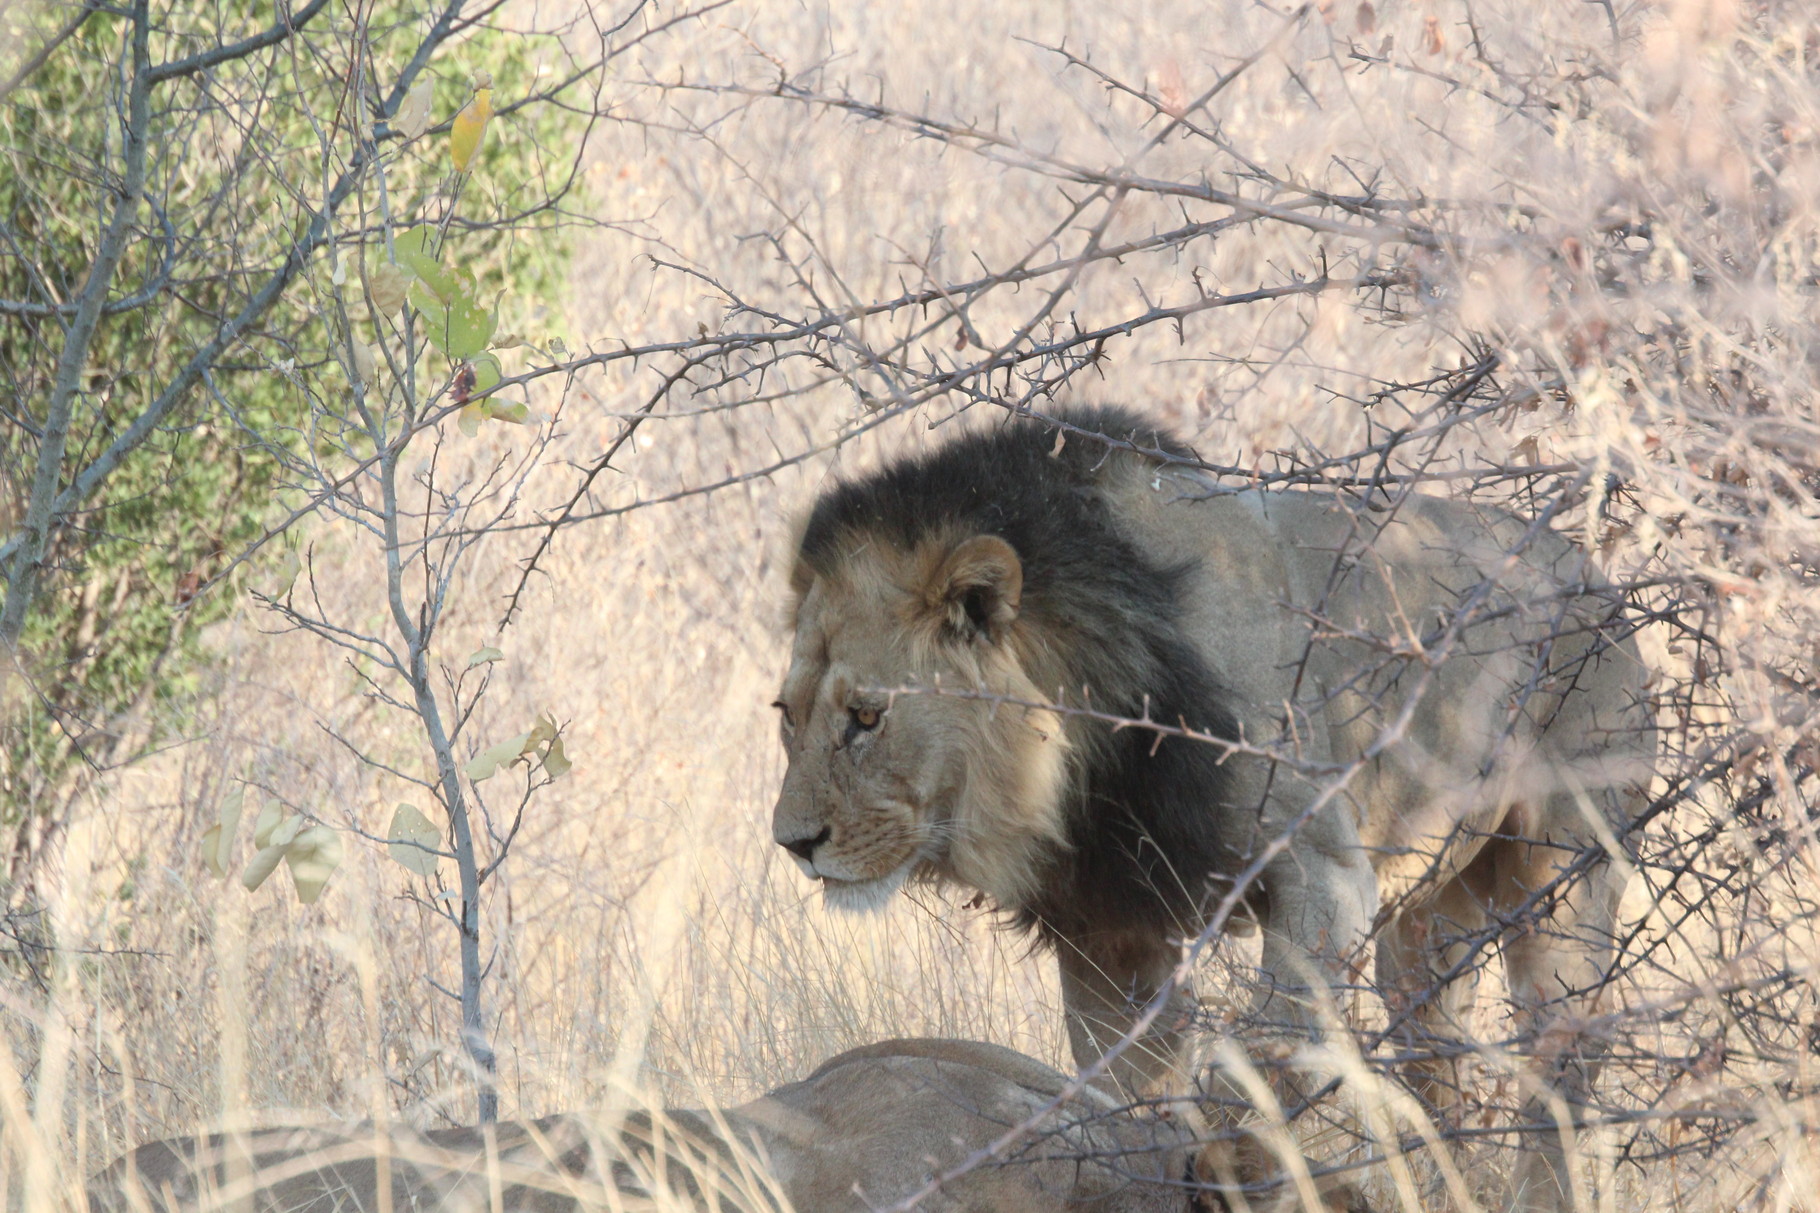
(804, 848)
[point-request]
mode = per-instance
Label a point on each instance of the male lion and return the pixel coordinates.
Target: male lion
(868, 1129)
(1439, 711)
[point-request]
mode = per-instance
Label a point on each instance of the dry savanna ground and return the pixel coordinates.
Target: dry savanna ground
(1632, 230)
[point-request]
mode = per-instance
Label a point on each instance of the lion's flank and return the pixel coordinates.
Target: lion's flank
(1100, 624)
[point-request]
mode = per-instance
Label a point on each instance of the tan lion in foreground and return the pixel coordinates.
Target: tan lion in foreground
(1439, 712)
(867, 1130)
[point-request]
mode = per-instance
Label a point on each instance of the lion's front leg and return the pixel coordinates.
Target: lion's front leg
(1315, 912)
(1108, 980)
(1318, 906)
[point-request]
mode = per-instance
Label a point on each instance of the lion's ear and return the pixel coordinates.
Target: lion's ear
(978, 586)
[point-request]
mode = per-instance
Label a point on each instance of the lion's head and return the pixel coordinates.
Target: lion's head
(886, 781)
(941, 604)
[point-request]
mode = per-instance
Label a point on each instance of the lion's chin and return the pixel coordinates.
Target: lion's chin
(865, 896)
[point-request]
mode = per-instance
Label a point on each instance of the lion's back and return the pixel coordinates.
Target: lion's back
(1486, 646)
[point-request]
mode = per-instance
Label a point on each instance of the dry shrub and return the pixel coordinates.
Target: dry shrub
(1562, 258)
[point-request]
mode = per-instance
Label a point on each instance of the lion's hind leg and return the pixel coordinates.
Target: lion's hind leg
(1429, 959)
(1558, 916)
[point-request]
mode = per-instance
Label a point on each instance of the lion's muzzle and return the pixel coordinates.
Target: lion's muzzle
(804, 848)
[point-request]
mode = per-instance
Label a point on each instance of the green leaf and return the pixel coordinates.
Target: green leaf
(412, 249)
(408, 837)
(435, 313)
(487, 373)
(464, 330)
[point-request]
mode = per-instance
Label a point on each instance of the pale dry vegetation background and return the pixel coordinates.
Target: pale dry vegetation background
(1620, 201)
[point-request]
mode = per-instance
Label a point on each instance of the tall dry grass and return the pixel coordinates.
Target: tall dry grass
(1624, 200)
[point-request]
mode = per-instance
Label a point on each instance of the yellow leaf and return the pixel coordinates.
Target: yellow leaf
(471, 416)
(218, 839)
(271, 813)
(486, 763)
(313, 856)
(556, 764)
(212, 849)
(413, 840)
(287, 831)
(542, 730)
(265, 862)
(413, 116)
(287, 571)
(485, 656)
(388, 284)
(470, 125)
(366, 366)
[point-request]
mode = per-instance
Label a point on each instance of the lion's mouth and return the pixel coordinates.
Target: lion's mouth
(868, 895)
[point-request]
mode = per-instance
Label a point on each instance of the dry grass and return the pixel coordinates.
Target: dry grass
(645, 927)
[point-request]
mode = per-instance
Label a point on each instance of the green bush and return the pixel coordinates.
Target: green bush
(235, 164)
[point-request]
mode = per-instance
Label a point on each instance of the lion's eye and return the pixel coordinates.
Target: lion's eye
(865, 718)
(789, 720)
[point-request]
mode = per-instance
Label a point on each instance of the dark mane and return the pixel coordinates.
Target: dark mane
(1141, 852)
